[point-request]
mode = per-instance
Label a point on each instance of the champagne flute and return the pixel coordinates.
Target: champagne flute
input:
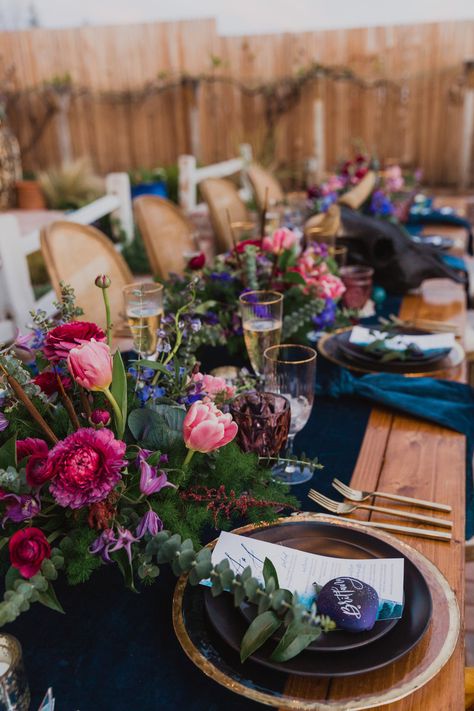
(262, 314)
(144, 309)
(290, 370)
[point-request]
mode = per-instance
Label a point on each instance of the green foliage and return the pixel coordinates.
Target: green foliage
(135, 255)
(80, 564)
(119, 389)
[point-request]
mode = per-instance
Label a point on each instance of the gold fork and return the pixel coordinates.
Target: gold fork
(339, 507)
(359, 495)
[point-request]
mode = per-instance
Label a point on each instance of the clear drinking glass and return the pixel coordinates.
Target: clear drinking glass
(290, 370)
(144, 309)
(262, 314)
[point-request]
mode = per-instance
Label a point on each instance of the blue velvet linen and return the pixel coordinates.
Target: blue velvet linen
(446, 403)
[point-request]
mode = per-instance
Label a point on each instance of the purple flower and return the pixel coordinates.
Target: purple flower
(380, 204)
(152, 480)
(23, 342)
(150, 523)
(3, 422)
(327, 315)
(19, 507)
(102, 545)
(124, 540)
(221, 276)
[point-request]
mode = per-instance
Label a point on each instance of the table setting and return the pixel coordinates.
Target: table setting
(122, 472)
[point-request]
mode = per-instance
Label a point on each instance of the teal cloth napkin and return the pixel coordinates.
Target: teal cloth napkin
(441, 401)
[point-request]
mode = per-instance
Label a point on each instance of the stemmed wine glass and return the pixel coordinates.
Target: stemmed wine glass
(144, 309)
(262, 314)
(290, 370)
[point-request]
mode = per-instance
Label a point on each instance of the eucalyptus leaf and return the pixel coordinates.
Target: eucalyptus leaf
(259, 631)
(159, 427)
(270, 572)
(296, 638)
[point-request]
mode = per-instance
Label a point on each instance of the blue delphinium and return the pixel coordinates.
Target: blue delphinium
(327, 316)
(381, 205)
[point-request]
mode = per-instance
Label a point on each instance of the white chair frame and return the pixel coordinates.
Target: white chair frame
(16, 292)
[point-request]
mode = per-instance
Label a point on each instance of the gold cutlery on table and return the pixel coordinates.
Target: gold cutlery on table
(338, 507)
(424, 323)
(359, 495)
(407, 530)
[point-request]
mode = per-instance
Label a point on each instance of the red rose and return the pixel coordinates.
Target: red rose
(28, 548)
(37, 452)
(197, 262)
(48, 382)
(60, 340)
(247, 243)
(359, 174)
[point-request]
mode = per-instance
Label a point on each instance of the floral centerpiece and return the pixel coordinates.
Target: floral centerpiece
(307, 275)
(391, 198)
(100, 467)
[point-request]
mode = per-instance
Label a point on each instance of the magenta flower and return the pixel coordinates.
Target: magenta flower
(37, 452)
(18, 507)
(60, 340)
(100, 418)
(84, 467)
(152, 480)
(150, 523)
(124, 540)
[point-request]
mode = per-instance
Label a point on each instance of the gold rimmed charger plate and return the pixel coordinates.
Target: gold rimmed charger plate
(398, 681)
(449, 368)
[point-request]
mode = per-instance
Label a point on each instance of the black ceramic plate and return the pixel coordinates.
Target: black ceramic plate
(331, 540)
(358, 353)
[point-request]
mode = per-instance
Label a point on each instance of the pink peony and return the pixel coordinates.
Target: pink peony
(279, 241)
(37, 452)
(84, 467)
(61, 339)
(214, 387)
(205, 428)
(90, 364)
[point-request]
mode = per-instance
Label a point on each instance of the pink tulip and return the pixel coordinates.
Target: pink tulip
(90, 364)
(205, 428)
(279, 241)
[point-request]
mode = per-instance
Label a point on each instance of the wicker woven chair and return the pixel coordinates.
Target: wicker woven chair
(262, 181)
(323, 227)
(167, 234)
(358, 195)
(224, 204)
(76, 254)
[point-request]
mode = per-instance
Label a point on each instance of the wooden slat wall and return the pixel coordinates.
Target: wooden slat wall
(421, 129)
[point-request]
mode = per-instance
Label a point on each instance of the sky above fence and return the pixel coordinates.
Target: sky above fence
(234, 16)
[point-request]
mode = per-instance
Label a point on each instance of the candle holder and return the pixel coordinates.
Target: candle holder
(264, 422)
(14, 689)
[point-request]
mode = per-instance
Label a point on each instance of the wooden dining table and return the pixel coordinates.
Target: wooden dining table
(408, 456)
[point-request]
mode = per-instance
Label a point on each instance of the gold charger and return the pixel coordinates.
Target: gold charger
(386, 686)
(449, 368)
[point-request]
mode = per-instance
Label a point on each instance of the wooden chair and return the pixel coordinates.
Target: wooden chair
(469, 688)
(262, 181)
(77, 254)
(323, 227)
(167, 234)
(224, 202)
(357, 196)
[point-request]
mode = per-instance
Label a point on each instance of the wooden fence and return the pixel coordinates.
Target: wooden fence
(126, 105)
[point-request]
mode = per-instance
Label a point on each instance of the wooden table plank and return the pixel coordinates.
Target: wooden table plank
(413, 457)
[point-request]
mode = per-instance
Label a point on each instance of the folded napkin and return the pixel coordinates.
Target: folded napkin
(429, 342)
(444, 402)
(426, 215)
